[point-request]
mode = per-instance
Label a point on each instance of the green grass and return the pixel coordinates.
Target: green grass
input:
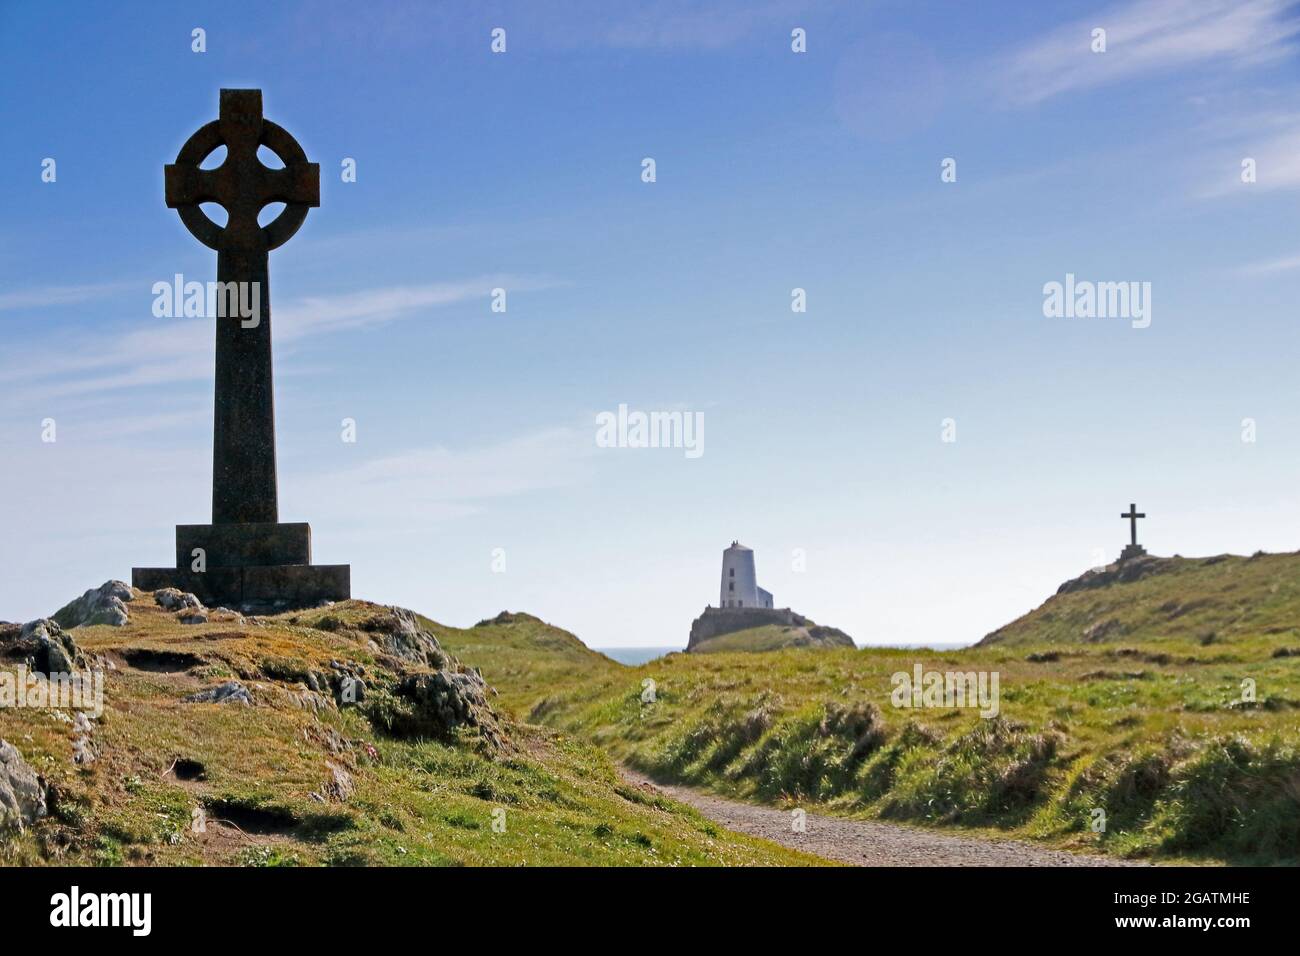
(769, 637)
(1125, 699)
(1145, 722)
(1185, 601)
(523, 657)
(416, 802)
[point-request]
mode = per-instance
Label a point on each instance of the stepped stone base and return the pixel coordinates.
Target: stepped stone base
(244, 545)
(1132, 551)
(256, 566)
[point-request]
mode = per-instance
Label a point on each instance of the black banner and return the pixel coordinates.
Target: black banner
(141, 906)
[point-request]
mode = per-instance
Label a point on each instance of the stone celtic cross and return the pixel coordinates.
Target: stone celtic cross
(243, 450)
(246, 557)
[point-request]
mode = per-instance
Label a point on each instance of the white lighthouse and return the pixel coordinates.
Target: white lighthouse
(739, 580)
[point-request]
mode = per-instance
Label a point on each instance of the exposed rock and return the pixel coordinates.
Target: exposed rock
(398, 633)
(823, 635)
(509, 617)
(798, 630)
(1121, 572)
(225, 615)
(327, 737)
(717, 621)
(310, 700)
(443, 701)
(231, 692)
(1101, 630)
(174, 599)
(338, 788)
(51, 649)
(349, 690)
(193, 616)
(22, 792)
(105, 604)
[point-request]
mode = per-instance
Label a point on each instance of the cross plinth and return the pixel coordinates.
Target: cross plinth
(246, 556)
(1132, 549)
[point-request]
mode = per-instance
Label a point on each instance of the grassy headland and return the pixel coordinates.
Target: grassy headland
(1124, 695)
(296, 778)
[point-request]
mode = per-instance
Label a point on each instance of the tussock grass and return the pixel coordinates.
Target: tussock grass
(1144, 720)
(414, 801)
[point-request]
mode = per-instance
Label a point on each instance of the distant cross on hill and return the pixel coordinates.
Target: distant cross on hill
(1134, 549)
(1133, 515)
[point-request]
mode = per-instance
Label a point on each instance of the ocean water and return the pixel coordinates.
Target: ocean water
(929, 646)
(632, 656)
(635, 655)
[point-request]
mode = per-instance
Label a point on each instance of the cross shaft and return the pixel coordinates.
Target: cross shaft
(244, 485)
(1132, 515)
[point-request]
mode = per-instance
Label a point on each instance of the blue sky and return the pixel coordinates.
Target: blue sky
(775, 170)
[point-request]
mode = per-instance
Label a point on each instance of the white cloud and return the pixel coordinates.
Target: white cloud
(1277, 161)
(59, 295)
(162, 351)
(428, 484)
(1270, 266)
(1148, 37)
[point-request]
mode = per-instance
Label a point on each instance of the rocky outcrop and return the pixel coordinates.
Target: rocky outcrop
(411, 688)
(338, 787)
(22, 792)
(105, 604)
(231, 692)
(509, 617)
(716, 621)
(800, 631)
(49, 648)
(1121, 572)
(398, 634)
(444, 700)
(174, 599)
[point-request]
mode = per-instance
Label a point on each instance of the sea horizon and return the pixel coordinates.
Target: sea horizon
(633, 656)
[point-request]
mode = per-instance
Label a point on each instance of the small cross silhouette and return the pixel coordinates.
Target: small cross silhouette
(1132, 516)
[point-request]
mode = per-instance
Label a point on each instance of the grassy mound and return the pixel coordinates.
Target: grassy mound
(303, 776)
(1156, 737)
(1181, 601)
(524, 657)
(772, 637)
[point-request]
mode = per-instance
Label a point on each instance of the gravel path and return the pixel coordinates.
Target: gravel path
(866, 842)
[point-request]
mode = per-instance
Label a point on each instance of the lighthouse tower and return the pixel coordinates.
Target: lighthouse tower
(739, 580)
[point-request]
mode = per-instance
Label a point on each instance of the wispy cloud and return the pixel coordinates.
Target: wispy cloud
(59, 295)
(1272, 141)
(440, 483)
(1270, 266)
(1149, 37)
(162, 351)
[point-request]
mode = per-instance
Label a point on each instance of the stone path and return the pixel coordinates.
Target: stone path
(866, 842)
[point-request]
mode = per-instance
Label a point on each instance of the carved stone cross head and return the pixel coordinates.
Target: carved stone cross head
(242, 184)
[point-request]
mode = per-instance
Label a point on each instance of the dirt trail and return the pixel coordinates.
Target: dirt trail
(866, 842)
